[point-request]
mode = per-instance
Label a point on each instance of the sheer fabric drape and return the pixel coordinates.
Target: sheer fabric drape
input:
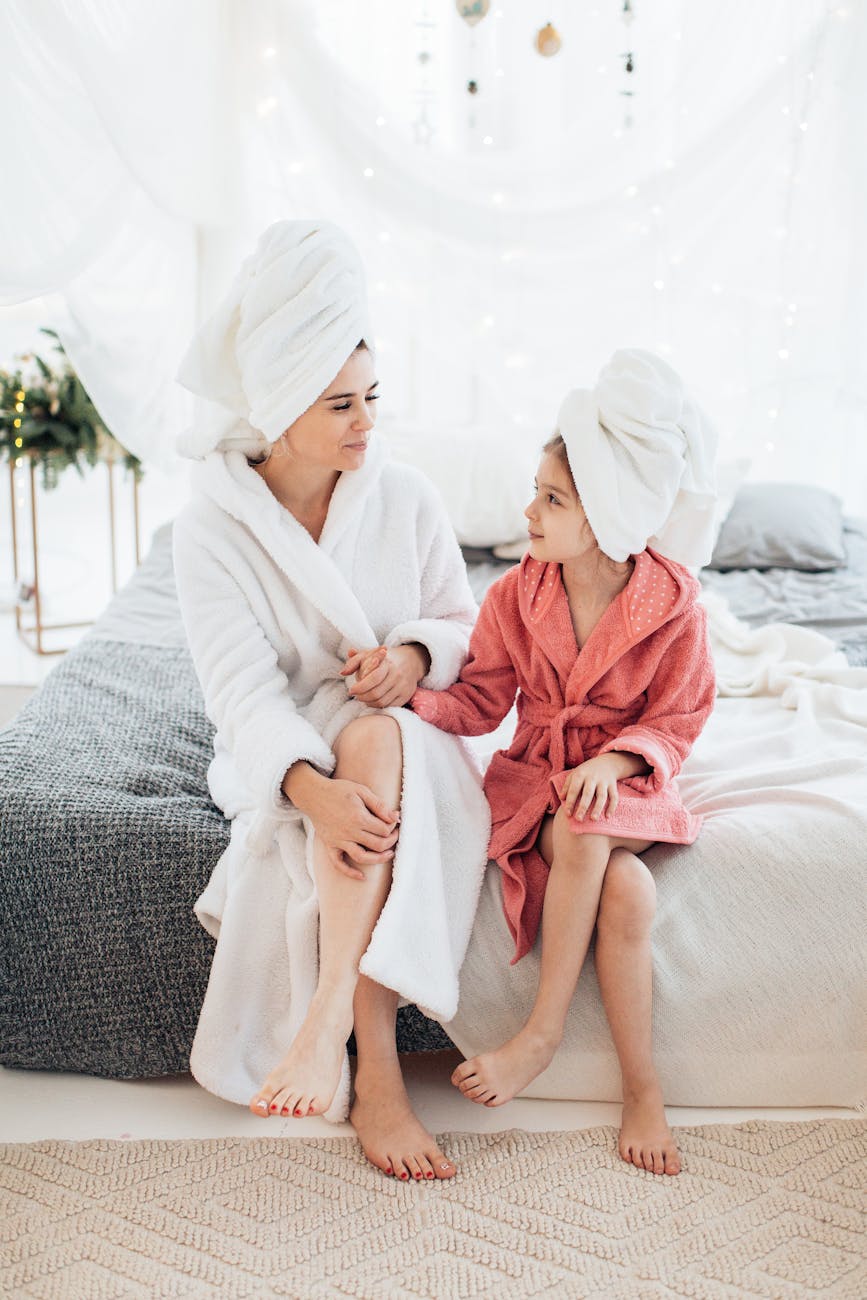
(149, 144)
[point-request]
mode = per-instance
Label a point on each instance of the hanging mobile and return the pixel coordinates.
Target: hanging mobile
(548, 41)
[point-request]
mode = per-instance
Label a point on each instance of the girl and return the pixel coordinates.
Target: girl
(603, 640)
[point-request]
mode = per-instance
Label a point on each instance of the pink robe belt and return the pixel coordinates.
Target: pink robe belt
(557, 720)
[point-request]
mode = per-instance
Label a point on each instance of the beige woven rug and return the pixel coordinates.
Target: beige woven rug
(760, 1209)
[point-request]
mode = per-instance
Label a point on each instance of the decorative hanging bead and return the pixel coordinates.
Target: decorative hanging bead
(548, 41)
(472, 11)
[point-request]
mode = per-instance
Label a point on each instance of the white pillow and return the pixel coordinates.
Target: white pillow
(730, 474)
(485, 475)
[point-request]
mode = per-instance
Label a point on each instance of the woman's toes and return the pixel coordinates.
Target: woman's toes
(426, 1166)
(658, 1162)
(672, 1162)
(259, 1105)
(442, 1166)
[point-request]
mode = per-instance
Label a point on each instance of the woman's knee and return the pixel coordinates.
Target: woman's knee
(628, 901)
(369, 739)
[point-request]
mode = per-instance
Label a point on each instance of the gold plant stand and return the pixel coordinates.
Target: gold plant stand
(32, 635)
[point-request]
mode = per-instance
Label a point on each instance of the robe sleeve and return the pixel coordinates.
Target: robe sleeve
(485, 691)
(446, 610)
(679, 701)
(246, 693)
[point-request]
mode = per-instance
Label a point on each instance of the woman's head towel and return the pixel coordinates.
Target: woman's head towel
(642, 456)
(292, 316)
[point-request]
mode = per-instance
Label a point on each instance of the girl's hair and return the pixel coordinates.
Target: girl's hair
(557, 447)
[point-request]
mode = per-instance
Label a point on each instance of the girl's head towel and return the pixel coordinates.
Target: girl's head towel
(292, 316)
(642, 454)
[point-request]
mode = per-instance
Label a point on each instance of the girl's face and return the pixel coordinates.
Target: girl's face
(558, 526)
(333, 432)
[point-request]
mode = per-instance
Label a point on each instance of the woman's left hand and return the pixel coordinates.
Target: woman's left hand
(386, 676)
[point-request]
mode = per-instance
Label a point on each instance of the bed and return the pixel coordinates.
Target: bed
(108, 834)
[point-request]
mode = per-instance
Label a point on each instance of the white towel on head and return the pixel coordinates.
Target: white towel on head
(293, 315)
(642, 455)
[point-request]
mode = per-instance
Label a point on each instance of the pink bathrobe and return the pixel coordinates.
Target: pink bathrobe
(643, 682)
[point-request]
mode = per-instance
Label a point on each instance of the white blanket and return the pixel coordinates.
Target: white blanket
(759, 954)
(270, 616)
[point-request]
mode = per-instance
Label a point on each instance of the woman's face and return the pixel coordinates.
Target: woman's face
(558, 527)
(333, 432)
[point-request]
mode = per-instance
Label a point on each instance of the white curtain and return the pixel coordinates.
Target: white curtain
(513, 238)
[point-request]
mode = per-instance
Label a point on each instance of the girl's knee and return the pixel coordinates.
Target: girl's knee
(628, 900)
(371, 737)
(584, 847)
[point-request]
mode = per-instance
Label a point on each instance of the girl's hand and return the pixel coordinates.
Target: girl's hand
(386, 677)
(356, 827)
(593, 785)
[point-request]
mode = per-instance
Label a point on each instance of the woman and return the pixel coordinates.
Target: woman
(359, 834)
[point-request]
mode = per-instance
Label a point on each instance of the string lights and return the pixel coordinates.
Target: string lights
(799, 114)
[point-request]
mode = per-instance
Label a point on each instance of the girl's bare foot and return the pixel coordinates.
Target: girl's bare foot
(305, 1081)
(496, 1077)
(645, 1139)
(391, 1136)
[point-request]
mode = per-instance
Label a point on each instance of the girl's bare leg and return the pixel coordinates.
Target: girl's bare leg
(578, 864)
(368, 750)
(392, 1137)
(624, 970)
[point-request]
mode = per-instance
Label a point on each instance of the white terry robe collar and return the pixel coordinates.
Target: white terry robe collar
(227, 479)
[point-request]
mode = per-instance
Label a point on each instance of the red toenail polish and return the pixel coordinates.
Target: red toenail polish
(297, 1110)
(389, 1170)
(417, 1175)
(428, 1175)
(284, 1111)
(404, 1175)
(273, 1105)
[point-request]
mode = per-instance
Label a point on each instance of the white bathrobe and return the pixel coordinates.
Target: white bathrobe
(270, 616)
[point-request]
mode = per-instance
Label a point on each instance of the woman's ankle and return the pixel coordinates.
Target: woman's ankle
(641, 1084)
(378, 1074)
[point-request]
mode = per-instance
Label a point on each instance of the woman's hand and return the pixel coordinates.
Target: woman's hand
(357, 828)
(594, 784)
(387, 676)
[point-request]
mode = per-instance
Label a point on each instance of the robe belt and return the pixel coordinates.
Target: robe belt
(539, 714)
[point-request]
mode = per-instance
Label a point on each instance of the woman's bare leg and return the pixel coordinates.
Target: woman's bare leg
(392, 1137)
(624, 970)
(578, 864)
(368, 750)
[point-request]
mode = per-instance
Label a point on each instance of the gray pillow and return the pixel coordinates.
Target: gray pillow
(781, 526)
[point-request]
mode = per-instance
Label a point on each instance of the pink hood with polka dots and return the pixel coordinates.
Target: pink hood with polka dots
(643, 682)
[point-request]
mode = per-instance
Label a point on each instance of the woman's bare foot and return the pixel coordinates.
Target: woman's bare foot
(496, 1077)
(305, 1081)
(391, 1136)
(645, 1139)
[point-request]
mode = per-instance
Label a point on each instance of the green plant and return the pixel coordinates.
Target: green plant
(47, 415)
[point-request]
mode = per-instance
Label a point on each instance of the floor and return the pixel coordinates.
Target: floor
(36, 1105)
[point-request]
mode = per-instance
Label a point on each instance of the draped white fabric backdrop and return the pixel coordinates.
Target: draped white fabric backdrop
(513, 238)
